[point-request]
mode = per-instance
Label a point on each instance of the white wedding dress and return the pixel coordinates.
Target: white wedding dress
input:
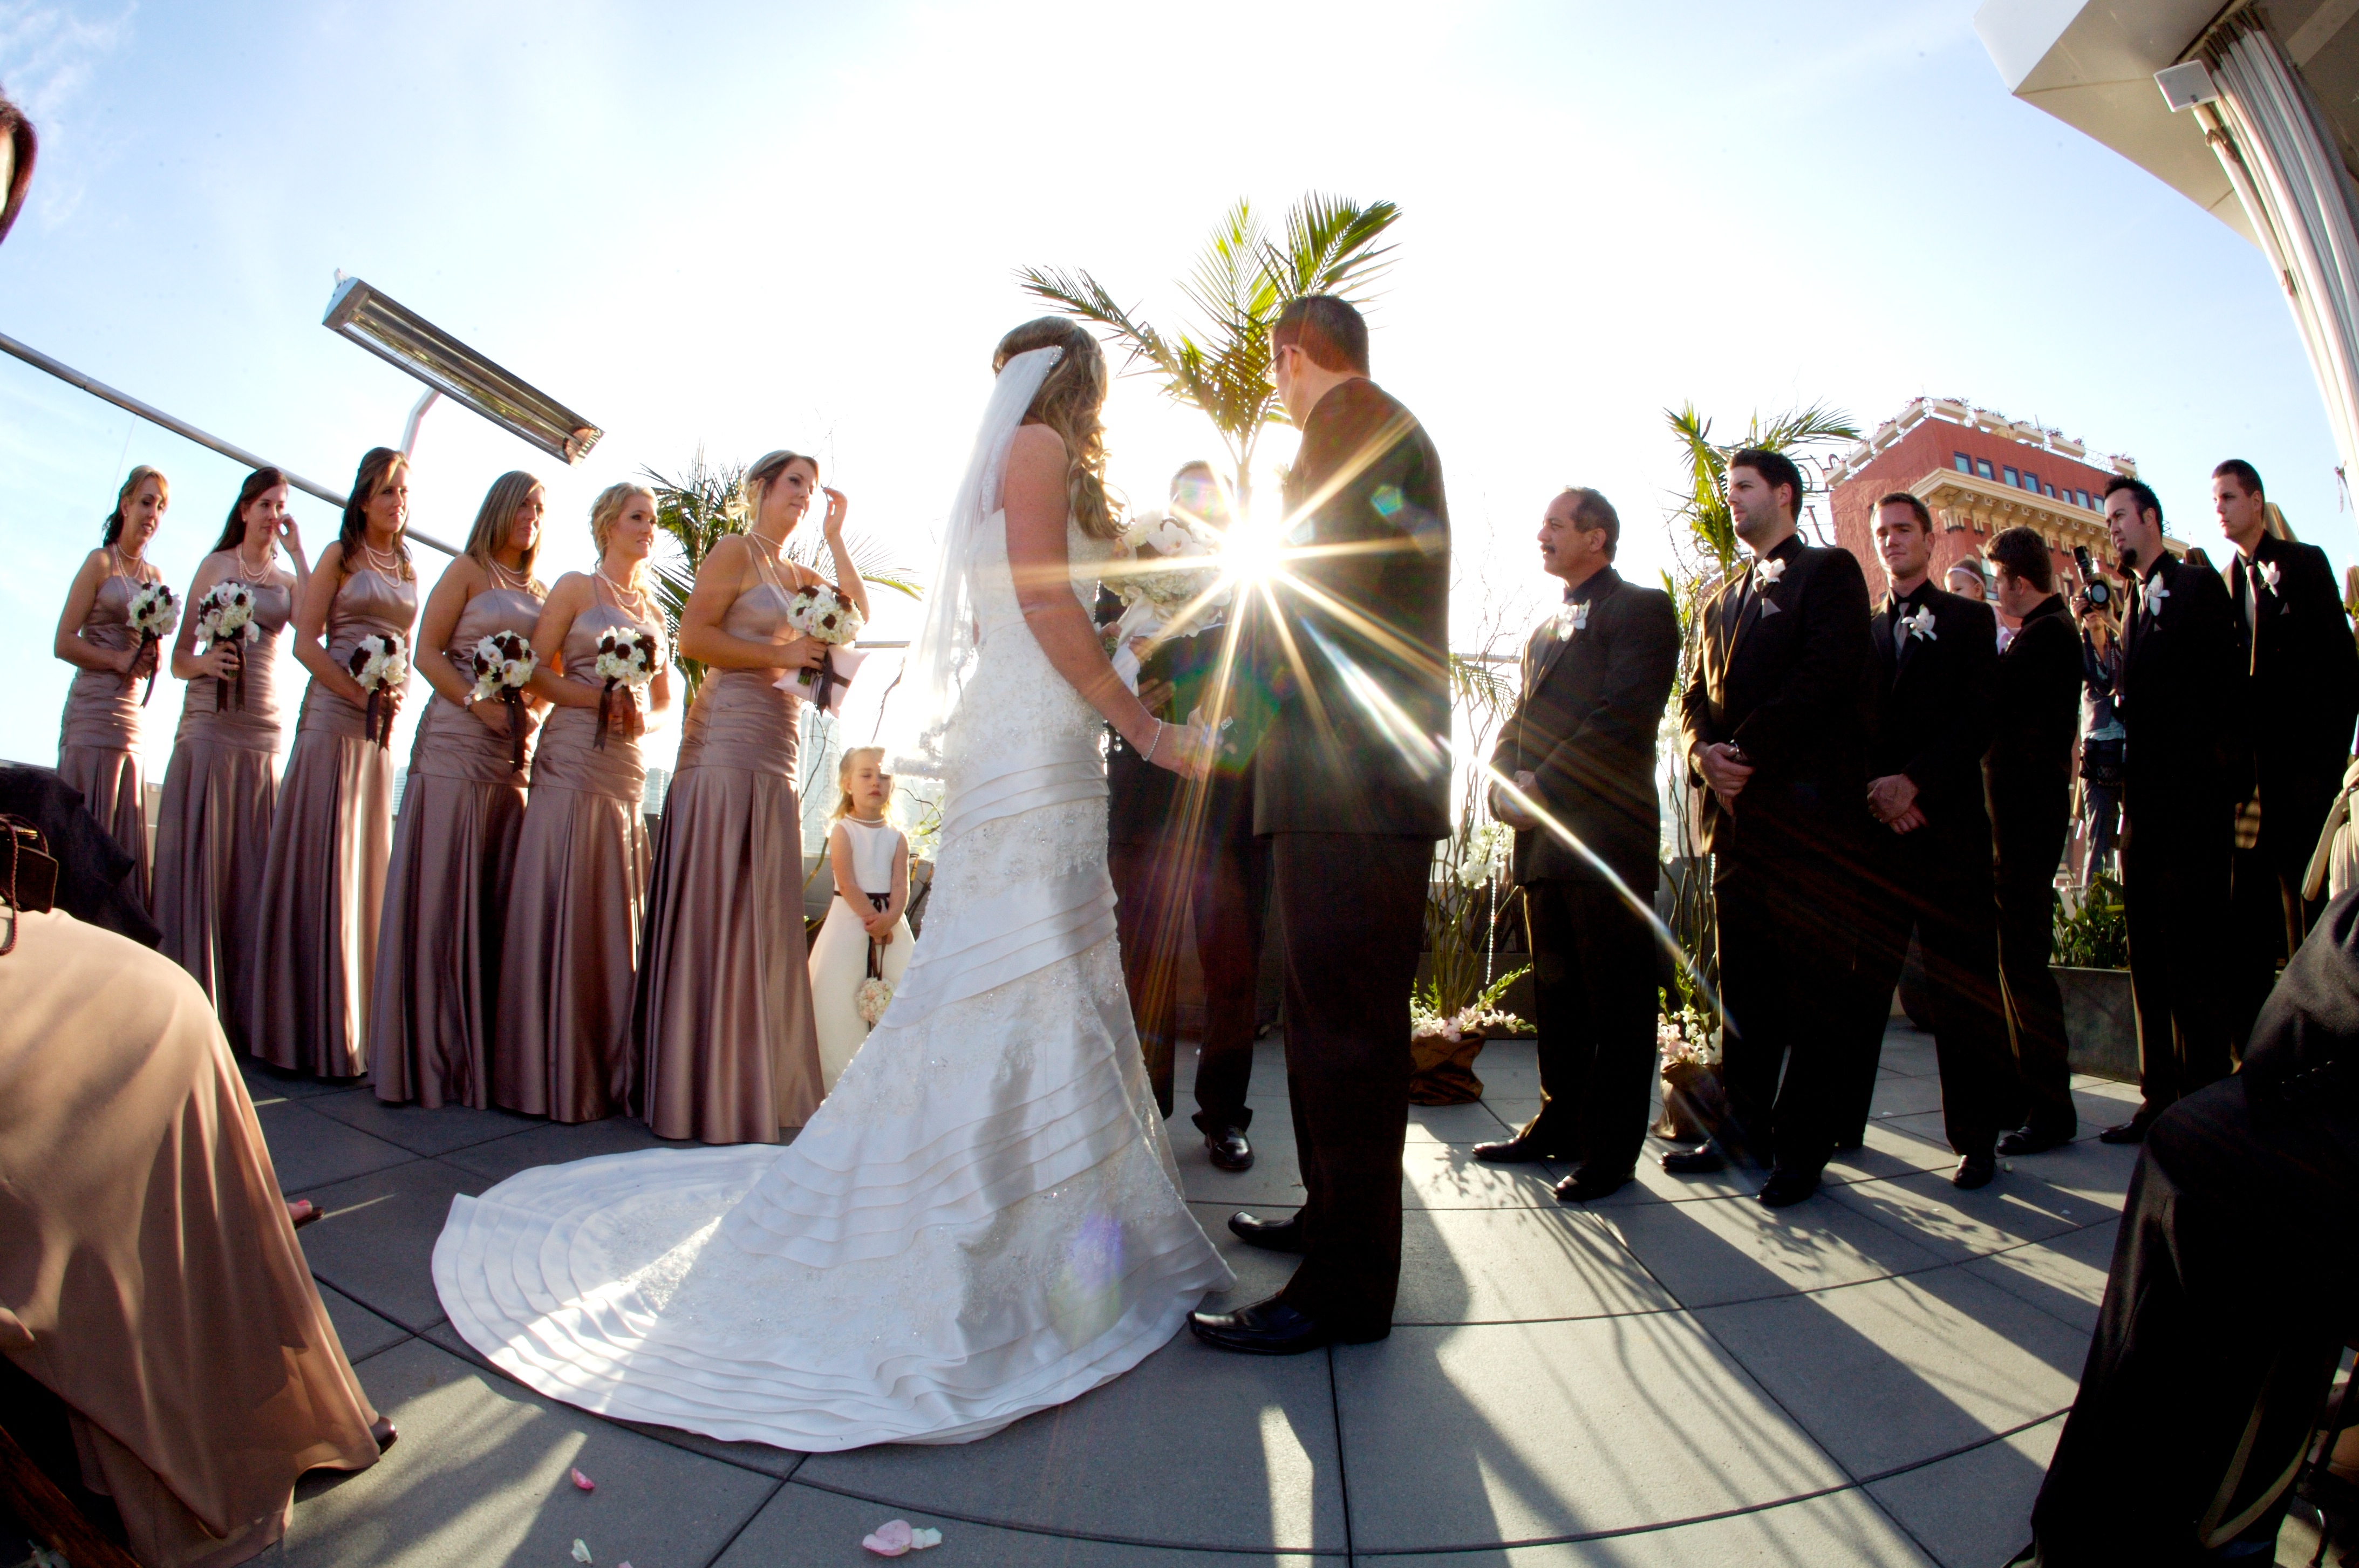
(982, 1220)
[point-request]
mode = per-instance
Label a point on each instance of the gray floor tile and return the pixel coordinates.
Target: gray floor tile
(1904, 1096)
(360, 1330)
(804, 1525)
(2063, 1275)
(1896, 1371)
(310, 1151)
(1521, 1432)
(1461, 1266)
(1734, 1251)
(1974, 1510)
(1448, 1176)
(1473, 1122)
(376, 1242)
(1192, 1448)
(2097, 1172)
(1889, 1150)
(418, 1129)
(553, 1143)
(1274, 1178)
(264, 1083)
(479, 1477)
(1260, 1272)
(1845, 1529)
(1925, 1127)
(2013, 1209)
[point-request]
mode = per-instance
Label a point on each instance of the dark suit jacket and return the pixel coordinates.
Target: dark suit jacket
(2301, 692)
(1585, 723)
(2178, 681)
(1359, 741)
(1784, 674)
(1141, 797)
(1932, 717)
(2036, 717)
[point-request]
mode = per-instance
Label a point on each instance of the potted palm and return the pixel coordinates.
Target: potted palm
(2090, 957)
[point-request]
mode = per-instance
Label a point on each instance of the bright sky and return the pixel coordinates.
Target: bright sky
(755, 226)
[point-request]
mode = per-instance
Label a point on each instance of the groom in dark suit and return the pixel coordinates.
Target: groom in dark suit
(1579, 752)
(1351, 787)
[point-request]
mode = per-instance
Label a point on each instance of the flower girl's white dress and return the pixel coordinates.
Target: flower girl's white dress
(982, 1220)
(838, 957)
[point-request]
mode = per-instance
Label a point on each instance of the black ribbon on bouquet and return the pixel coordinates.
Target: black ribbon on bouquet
(147, 642)
(606, 695)
(377, 724)
(824, 680)
(223, 684)
(876, 948)
(514, 698)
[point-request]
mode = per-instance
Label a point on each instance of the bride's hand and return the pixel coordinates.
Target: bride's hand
(1185, 749)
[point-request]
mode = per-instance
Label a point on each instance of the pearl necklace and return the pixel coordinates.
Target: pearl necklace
(637, 597)
(255, 576)
(385, 564)
(514, 581)
(137, 568)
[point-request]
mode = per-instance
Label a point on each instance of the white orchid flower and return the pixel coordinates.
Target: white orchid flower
(1766, 574)
(2269, 574)
(1920, 624)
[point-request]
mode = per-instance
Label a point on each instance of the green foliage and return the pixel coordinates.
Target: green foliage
(1703, 506)
(2098, 935)
(1219, 365)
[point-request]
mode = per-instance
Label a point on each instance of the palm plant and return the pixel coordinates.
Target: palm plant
(1221, 365)
(1703, 507)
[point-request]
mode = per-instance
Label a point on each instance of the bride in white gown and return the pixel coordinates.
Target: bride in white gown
(983, 1219)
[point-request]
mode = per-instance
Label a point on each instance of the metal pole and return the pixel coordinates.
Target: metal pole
(155, 416)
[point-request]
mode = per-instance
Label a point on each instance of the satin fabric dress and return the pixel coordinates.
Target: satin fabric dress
(324, 884)
(148, 1275)
(98, 742)
(983, 1220)
(213, 833)
(438, 967)
(727, 1048)
(838, 957)
(562, 1047)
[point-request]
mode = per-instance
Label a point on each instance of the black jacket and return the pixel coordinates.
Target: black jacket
(2302, 691)
(1932, 717)
(1585, 723)
(2035, 717)
(1141, 796)
(2179, 682)
(1355, 658)
(1784, 674)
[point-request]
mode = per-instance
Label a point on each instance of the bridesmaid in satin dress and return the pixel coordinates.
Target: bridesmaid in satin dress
(213, 833)
(562, 1047)
(446, 902)
(324, 881)
(98, 742)
(728, 1052)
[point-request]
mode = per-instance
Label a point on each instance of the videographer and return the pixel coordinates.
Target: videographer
(2095, 605)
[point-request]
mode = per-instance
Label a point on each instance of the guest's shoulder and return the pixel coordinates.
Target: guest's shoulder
(1970, 615)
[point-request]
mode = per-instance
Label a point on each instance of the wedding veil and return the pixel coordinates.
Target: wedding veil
(918, 712)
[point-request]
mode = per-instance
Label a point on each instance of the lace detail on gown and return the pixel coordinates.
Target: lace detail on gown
(982, 1220)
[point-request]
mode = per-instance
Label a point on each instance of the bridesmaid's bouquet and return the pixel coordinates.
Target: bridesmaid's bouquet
(826, 615)
(504, 662)
(871, 998)
(380, 662)
(1166, 600)
(627, 657)
(225, 615)
(155, 616)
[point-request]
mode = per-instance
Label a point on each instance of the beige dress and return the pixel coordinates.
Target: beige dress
(324, 883)
(98, 742)
(213, 833)
(727, 1048)
(446, 900)
(562, 1045)
(148, 1276)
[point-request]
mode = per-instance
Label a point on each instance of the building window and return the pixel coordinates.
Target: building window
(1982, 466)
(2031, 482)
(1965, 464)
(2051, 492)
(2011, 479)
(2079, 497)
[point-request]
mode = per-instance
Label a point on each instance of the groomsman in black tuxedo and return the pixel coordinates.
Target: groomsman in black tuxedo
(2027, 775)
(1929, 858)
(1580, 748)
(1774, 717)
(1351, 787)
(2177, 701)
(1176, 847)
(2299, 695)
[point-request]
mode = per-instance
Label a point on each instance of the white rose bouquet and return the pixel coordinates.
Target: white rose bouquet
(504, 662)
(225, 616)
(871, 998)
(380, 662)
(1162, 600)
(627, 657)
(826, 615)
(155, 614)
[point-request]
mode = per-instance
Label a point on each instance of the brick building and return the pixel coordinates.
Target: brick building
(1977, 473)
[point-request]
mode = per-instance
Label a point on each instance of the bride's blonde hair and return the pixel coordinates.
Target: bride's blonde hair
(1069, 403)
(851, 759)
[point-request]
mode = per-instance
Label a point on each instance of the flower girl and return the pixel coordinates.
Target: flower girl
(864, 945)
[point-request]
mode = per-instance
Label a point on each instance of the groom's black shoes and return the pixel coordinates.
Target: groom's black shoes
(1278, 1236)
(1517, 1150)
(1228, 1148)
(1267, 1328)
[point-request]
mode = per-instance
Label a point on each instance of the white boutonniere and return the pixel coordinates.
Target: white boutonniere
(2269, 569)
(1920, 624)
(2154, 595)
(1572, 619)
(1766, 574)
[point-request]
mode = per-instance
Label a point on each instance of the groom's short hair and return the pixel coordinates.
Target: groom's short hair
(1327, 329)
(1591, 511)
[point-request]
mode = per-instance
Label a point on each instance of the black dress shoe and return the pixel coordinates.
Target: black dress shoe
(1787, 1188)
(1517, 1150)
(1693, 1162)
(2031, 1140)
(1974, 1170)
(1584, 1186)
(385, 1432)
(2130, 1131)
(1229, 1150)
(1851, 1145)
(1278, 1236)
(1267, 1328)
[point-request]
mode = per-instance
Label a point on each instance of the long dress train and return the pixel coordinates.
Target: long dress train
(983, 1219)
(98, 738)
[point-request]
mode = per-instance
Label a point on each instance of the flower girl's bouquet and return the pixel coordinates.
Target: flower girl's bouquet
(225, 617)
(504, 662)
(1163, 601)
(155, 616)
(827, 615)
(380, 662)
(627, 657)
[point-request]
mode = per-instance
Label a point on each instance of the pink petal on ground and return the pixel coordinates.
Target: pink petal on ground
(892, 1539)
(583, 1481)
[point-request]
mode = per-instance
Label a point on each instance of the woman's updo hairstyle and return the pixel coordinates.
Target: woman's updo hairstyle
(233, 530)
(607, 510)
(762, 475)
(1069, 403)
(123, 497)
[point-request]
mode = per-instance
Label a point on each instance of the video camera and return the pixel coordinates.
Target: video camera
(2094, 587)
